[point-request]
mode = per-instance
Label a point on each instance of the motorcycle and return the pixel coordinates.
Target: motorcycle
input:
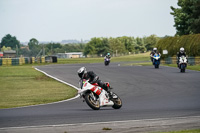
(96, 97)
(182, 63)
(156, 60)
(106, 61)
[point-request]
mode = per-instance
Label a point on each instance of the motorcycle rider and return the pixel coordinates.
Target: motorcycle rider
(93, 78)
(107, 56)
(179, 54)
(153, 53)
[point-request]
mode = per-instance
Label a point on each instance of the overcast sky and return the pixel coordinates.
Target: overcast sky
(57, 20)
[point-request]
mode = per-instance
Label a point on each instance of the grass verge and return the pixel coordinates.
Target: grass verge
(127, 58)
(194, 67)
(184, 131)
(23, 86)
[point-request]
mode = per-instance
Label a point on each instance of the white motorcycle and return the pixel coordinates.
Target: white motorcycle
(97, 97)
(182, 63)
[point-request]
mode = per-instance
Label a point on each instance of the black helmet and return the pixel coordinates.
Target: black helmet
(81, 72)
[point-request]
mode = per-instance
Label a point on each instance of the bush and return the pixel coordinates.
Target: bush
(191, 43)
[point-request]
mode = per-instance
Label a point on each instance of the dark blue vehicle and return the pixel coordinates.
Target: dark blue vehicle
(156, 60)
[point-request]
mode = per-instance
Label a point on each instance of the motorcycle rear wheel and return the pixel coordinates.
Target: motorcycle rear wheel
(94, 104)
(117, 101)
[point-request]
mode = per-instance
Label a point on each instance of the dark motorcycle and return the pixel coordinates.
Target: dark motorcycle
(107, 61)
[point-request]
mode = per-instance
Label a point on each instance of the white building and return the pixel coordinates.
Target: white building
(70, 55)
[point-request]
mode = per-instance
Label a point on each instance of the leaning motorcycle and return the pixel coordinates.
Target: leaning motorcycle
(96, 97)
(106, 61)
(156, 60)
(182, 63)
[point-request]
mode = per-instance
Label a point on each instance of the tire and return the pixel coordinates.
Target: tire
(94, 104)
(117, 102)
(106, 63)
(182, 68)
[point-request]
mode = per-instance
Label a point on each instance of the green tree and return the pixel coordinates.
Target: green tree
(140, 41)
(140, 46)
(25, 52)
(89, 50)
(116, 45)
(99, 45)
(187, 17)
(34, 47)
(4, 48)
(128, 42)
(150, 42)
(105, 46)
(10, 41)
(33, 43)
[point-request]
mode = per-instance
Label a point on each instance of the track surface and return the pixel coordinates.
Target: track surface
(146, 93)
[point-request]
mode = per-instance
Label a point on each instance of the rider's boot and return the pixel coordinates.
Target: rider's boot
(108, 90)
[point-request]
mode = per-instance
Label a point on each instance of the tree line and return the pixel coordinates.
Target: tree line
(191, 43)
(96, 46)
(120, 45)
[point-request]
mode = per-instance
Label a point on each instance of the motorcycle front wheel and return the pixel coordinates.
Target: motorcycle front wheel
(92, 101)
(117, 101)
(182, 68)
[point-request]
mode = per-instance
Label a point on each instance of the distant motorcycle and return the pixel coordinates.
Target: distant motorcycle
(182, 63)
(97, 97)
(106, 61)
(156, 60)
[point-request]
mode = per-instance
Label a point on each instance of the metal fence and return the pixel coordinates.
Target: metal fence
(191, 60)
(23, 60)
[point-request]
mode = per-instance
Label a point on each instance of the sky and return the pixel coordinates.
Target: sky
(57, 20)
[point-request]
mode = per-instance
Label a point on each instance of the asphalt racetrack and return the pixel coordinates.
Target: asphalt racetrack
(146, 93)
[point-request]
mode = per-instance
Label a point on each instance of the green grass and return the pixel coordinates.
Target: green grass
(136, 57)
(184, 131)
(23, 86)
(194, 67)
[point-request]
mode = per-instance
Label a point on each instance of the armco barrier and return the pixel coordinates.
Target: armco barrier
(21, 61)
(191, 60)
(168, 60)
(26, 60)
(197, 60)
(15, 61)
(6, 61)
(43, 59)
(33, 60)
